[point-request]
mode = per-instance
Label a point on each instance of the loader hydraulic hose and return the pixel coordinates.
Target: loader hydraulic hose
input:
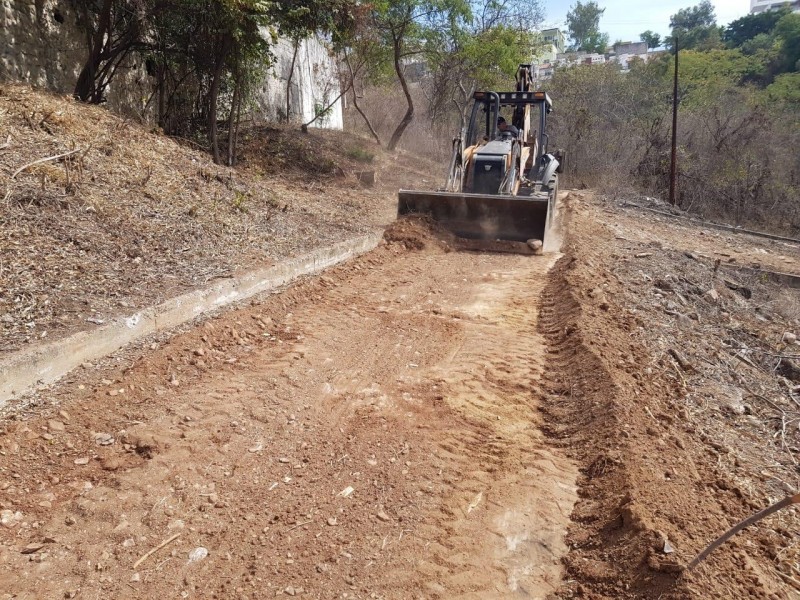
(510, 179)
(453, 183)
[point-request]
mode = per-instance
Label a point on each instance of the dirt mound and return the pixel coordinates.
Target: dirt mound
(662, 382)
(420, 232)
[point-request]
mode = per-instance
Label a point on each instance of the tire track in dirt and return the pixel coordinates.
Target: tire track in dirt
(612, 541)
(372, 433)
(641, 480)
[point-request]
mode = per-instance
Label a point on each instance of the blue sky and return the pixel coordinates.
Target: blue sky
(626, 19)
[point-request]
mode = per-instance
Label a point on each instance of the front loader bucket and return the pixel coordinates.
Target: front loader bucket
(484, 222)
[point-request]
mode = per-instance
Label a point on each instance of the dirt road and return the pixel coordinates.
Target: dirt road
(372, 433)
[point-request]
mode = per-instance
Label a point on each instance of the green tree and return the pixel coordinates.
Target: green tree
(653, 40)
(405, 27)
(786, 89)
(583, 24)
(787, 30)
(696, 28)
(740, 31)
(596, 42)
(705, 75)
(480, 52)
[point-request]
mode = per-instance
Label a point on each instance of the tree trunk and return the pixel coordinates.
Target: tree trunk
(85, 86)
(213, 136)
(232, 121)
(355, 100)
(366, 118)
(409, 116)
(289, 79)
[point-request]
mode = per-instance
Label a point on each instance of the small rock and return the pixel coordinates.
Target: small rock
(135, 577)
(643, 255)
(103, 439)
(257, 448)
(736, 408)
(199, 352)
(290, 591)
(54, 425)
(121, 526)
(31, 548)
(789, 338)
(81, 461)
(712, 295)
(112, 463)
(383, 516)
(368, 178)
(198, 554)
(535, 245)
(332, 521)
(9, 518)
(69, 520)
(283, 460)
(346, 491)
(64, 415)
(667, 549)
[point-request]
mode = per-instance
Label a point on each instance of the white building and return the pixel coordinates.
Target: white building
(759, 6)
(594, 59)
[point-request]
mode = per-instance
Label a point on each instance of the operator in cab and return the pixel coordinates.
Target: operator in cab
(504, 129)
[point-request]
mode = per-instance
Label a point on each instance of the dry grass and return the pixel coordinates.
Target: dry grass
(132, 217)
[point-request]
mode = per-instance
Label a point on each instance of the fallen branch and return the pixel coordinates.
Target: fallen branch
(293, 527)
(42, 160)
(684, 363)
(36, 162)
(156, 549)
(788, 501)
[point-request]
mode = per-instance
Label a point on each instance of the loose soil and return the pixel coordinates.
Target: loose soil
(372, 433)
(420, 422)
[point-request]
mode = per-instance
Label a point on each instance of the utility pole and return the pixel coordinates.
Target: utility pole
(673, 175)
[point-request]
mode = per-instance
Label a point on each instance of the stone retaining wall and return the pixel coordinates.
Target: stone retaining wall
(43, 45)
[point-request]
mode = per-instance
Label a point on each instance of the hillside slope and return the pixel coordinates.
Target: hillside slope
(126, 217)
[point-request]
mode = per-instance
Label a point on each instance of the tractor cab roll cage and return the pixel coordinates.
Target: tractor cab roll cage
(486, 110)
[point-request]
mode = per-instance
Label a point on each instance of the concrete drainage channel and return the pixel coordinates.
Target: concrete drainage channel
(24, 371)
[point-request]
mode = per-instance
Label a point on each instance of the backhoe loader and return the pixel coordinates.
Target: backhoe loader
(501, 186)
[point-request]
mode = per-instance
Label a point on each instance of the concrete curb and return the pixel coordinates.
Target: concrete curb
(711, 224)
(789, 280)
(23, 371)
